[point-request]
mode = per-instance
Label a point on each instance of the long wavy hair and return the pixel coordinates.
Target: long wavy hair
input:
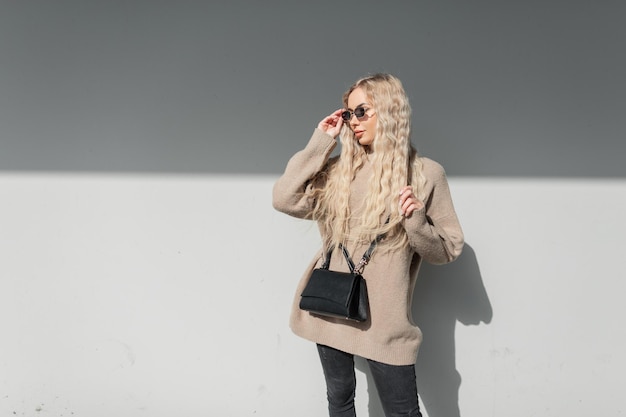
(395, 164)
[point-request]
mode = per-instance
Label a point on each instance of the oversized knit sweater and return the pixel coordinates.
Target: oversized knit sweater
(434, 235)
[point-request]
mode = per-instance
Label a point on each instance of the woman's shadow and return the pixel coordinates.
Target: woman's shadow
(444, 294)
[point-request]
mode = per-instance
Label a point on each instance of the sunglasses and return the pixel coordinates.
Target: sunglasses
(358, 112)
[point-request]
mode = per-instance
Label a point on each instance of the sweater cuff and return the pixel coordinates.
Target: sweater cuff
(417, 220)
(321, 142)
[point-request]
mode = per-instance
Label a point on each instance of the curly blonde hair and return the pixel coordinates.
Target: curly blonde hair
(395, 164)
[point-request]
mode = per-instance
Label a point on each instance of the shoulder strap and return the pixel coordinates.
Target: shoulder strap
(358, 269)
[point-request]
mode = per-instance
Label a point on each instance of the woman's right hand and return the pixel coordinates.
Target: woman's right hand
(332, 123)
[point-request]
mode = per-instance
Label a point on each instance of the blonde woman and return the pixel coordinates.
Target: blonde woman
(377, 185)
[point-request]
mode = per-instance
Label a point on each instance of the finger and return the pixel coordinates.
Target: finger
(406, 204)
(336, 120)
(406, 191)
(410, 205)
(403, 205)
(410, 210)
(326, 123)
(332, 119)
(334, 132)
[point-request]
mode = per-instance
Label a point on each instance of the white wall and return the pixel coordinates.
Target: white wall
(134, 295)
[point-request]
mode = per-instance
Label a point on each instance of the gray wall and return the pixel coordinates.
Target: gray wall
(499, 88)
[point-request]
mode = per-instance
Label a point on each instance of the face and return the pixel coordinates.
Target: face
(364, 127)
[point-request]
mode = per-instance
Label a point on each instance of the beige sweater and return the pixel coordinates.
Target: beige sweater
(389, 335)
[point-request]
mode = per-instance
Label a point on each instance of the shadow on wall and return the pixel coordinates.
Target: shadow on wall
(444, 294)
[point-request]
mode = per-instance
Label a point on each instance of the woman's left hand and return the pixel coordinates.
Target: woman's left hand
(408, 202)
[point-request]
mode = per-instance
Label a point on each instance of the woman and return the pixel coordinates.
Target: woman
(377, 185)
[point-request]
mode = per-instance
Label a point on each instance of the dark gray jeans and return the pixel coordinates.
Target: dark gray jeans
(396, 385)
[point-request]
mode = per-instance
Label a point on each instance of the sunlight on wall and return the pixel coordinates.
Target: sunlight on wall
(169, 295)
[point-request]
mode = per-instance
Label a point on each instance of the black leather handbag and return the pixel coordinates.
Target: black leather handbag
(339, 294)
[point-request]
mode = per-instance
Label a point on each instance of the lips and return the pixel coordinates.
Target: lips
(359, 133)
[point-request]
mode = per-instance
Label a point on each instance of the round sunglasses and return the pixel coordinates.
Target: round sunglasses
(359, 112)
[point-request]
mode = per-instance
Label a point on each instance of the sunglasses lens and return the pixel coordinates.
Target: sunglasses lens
(358, 112)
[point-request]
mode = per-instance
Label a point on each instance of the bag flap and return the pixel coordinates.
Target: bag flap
(331, 285)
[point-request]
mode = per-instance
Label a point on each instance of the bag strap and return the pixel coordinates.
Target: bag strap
(358, 269)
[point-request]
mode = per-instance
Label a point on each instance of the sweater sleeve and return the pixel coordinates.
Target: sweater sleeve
(291, 192)
(434, 231)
